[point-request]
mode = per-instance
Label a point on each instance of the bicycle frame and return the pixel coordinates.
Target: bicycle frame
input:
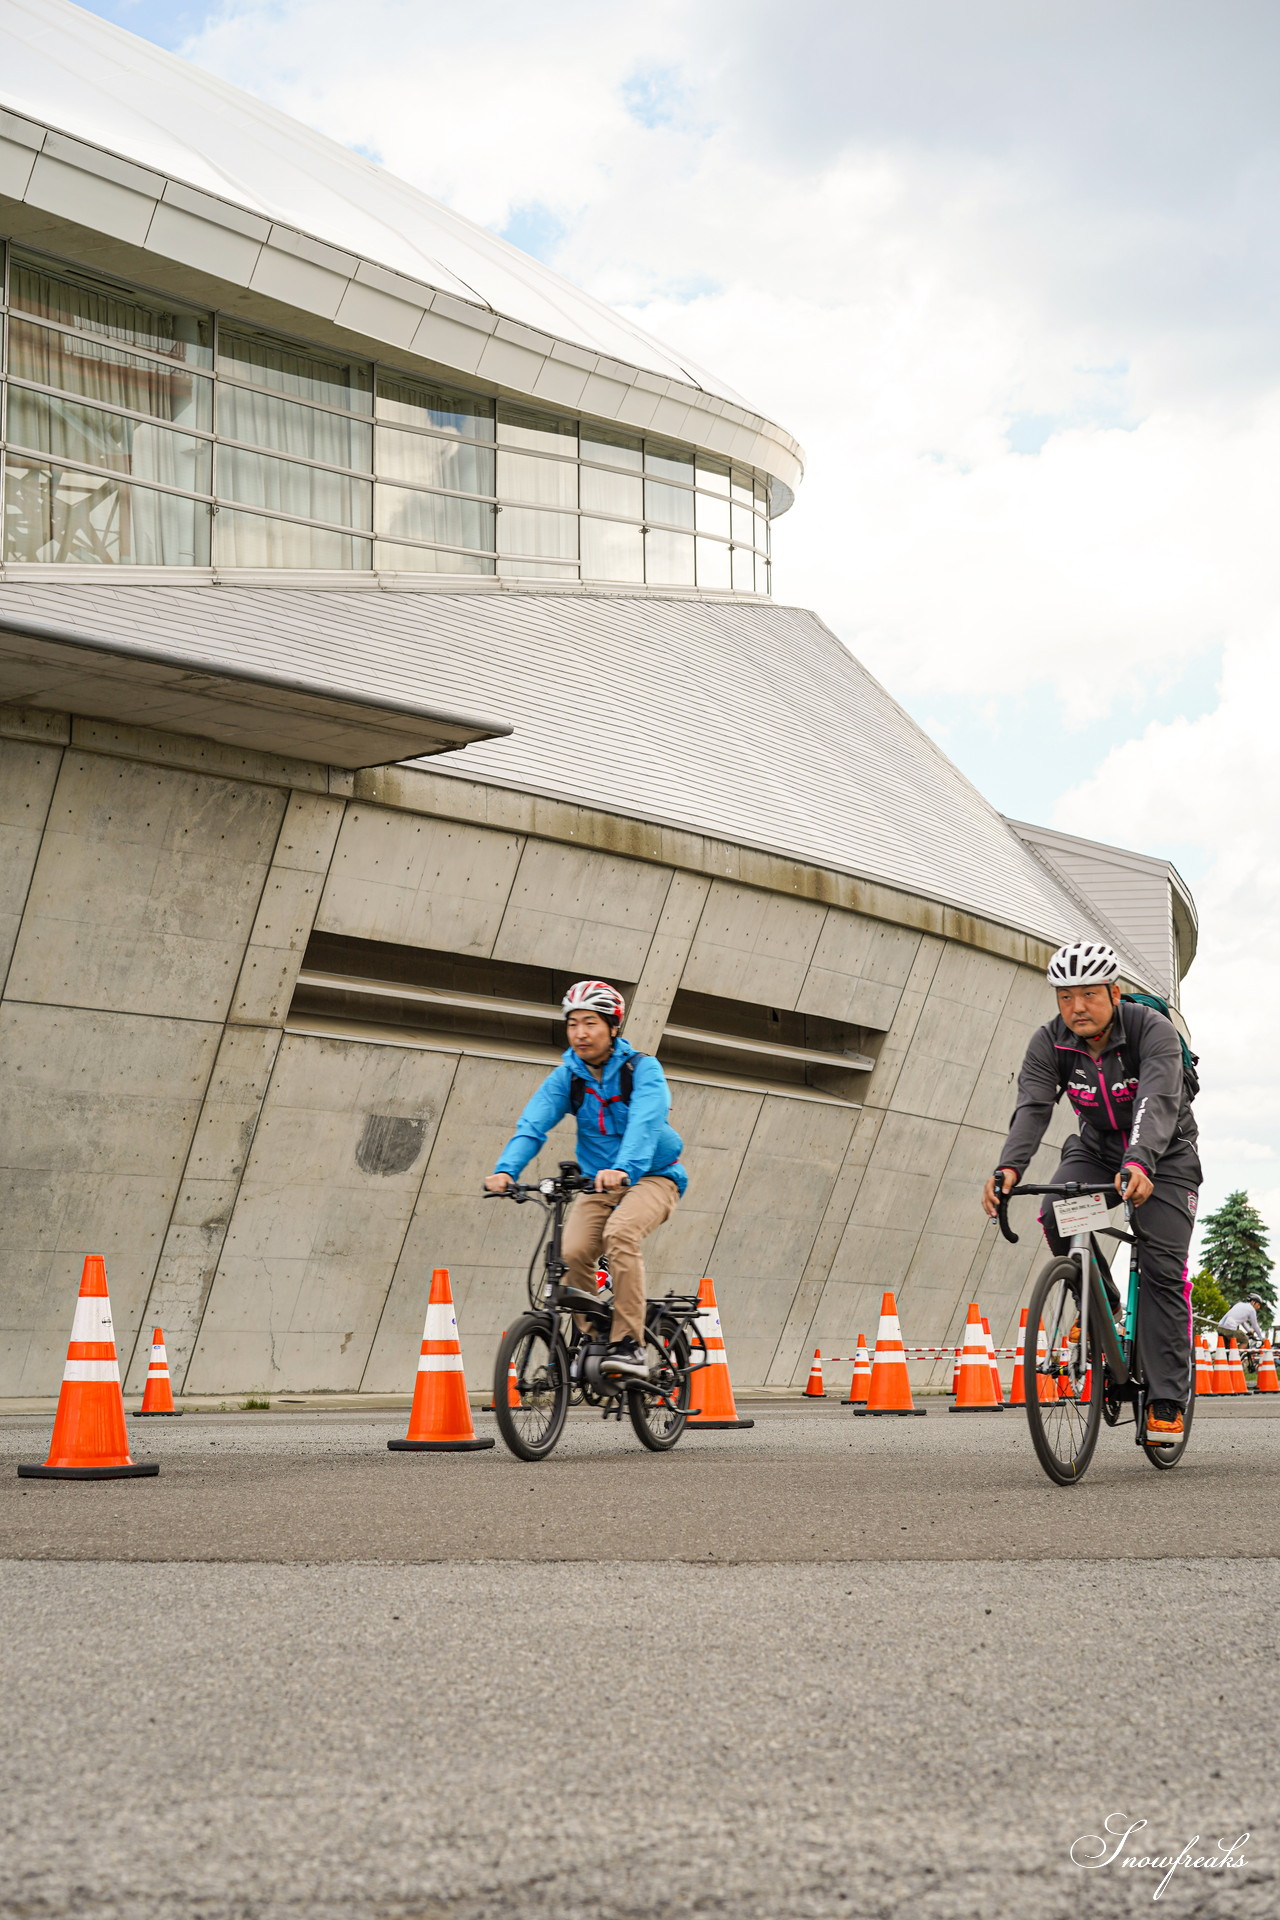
(1118, 1348)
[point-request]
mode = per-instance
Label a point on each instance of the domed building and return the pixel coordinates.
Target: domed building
(318, 501)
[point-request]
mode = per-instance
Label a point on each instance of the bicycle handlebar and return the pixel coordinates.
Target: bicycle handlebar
(1067, 1190)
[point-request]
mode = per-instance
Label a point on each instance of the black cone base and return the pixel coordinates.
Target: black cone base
(997, 1408)
(438, 1446)
(136, 1470)
(853, 1403)
(890, 1413)
(715, 1426)
(158, 1413)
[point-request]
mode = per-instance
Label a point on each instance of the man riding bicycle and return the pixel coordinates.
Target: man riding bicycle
(1121, 1068)
(1243, 1318)
(625, 1143)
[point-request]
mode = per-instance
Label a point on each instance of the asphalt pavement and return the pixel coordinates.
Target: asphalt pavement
(823, 1667)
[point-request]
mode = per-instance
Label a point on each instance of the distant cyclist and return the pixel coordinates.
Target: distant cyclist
(1243, 1318)
(621, 1100)
(1120, 1066)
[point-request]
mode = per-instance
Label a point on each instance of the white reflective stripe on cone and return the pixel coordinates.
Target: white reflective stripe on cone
(440, 1363)
(93, 1319)
(91, 1370)
(442, 1322)
(159, 1358)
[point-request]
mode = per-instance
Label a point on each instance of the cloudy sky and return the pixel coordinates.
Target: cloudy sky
(1009, 272)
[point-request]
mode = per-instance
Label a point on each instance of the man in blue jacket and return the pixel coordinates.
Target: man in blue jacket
(624, 1140)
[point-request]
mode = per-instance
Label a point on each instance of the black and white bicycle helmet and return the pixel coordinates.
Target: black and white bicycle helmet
(595, 996)
(1084, 963)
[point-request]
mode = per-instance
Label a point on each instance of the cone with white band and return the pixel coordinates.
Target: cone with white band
(1267, 1381)
(996, 1385)
(157, 1398)
(860, 1385)
(890, 1381)
(976, 1393)
(1018, 1389)
(440, 1419)
(89, 1439)
(711, 1402)
(1221, 1368)
(1204, 1366)
(814, 1389)
(1235, 1366)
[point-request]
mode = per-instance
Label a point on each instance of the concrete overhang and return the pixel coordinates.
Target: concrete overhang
(45, 665)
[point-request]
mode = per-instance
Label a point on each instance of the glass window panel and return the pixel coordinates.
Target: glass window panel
(442, 517)
(744, 527)
(744, 571)
(713, 474)
(134, 447)
(668, 503)
(742, 487)
(265, 421)
(668, 558)
(55, 514)
(612, 493)
(104, 373)
(762, 495)
(611, 551)
(763, 570)
(762, 533)
(535, 570)
(612, 449)
(423, 460)
(94, 306)
(544, 536)
(413, 406)
(713, 565)
(543, 483)
(266, 362)
(669, 463)
(391, 559)
(713, 515)
(256, 480)
(541, 432)
(246, 540)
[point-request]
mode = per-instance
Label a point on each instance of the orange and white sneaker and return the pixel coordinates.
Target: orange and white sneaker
(1164, 1424)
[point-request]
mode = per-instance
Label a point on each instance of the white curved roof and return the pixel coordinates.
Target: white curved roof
(68, 69)
(745, 721)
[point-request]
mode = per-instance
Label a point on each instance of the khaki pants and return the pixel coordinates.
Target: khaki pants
(615, 1223)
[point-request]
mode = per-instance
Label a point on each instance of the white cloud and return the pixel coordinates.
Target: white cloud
(921, 236)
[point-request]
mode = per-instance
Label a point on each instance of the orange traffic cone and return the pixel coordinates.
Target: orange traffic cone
(440, 1419)
(711, 1401)
(861, 1382)
(1221, 1368)
(890, 1381)
(1267, 1381)
(1018, 1390)
(89, 1439)
(1204, 1367)
(1064, 1376)
(157, 1397)
(1046, 1383)
(1236, 1366)
(814, 1389)
(996, 1386)
(976, 1393)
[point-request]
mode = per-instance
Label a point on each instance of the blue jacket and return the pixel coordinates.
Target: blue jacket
(636, 1138)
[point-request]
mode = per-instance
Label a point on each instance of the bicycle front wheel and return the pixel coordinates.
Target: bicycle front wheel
(531, 1409)
(1064, 1384)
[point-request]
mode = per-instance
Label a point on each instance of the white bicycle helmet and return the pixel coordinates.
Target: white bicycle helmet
(1084, 963)
(595, 996)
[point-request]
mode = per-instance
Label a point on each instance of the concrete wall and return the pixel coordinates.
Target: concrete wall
(276, 1199)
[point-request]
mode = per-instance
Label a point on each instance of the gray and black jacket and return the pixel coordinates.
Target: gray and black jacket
(1132, 1103)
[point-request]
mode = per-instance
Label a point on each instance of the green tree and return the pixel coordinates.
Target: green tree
(1234, 1250)
(1207, 1297)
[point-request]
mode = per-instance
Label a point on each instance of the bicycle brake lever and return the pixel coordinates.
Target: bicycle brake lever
(1002, 1208)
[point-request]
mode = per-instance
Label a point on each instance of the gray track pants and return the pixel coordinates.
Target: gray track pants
(1162, 1227)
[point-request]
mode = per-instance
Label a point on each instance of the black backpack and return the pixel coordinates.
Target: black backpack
(626, 1081)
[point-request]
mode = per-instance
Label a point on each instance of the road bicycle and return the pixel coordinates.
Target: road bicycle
(557, 1347)
(1088, 1369)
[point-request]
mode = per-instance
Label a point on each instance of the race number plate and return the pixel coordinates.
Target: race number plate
(1082, 1213)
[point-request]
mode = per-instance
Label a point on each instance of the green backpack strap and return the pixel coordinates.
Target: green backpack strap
(1190, 1061)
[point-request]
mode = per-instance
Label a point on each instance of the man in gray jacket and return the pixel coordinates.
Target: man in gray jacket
(1121, 1068)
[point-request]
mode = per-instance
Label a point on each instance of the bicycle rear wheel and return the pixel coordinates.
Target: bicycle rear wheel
(532, 1427)
(659, 1423)
(1064, 1424)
